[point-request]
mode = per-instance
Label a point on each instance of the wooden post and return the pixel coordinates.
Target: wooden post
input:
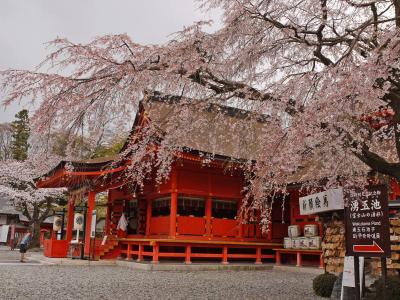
(239, 219)
(208, 215)
(357, 277)
(107, 225)
(155, 253)
(188, 253)
(258, 256)
(148, 216)
(225, 255)
(70, 220)
(269, 231)
(384, 277)
(277, 258)
(174, 204)
(140, 253)
(128, 252)
(91, 198)
(321, 261)
(298, 264)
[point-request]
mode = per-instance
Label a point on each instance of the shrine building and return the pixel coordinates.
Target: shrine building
(193, 216)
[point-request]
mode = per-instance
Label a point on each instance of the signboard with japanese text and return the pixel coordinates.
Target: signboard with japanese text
(320, 202)
(367, 222)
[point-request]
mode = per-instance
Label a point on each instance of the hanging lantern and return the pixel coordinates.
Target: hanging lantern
(57, 223)
(78, 221)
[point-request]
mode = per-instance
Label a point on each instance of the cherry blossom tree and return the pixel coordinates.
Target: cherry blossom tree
(17, 184)
(317, 70)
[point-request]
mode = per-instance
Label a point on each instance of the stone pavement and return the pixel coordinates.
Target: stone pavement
(41, 279)
(9, 258)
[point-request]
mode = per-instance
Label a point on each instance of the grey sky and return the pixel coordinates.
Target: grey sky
(26, 25)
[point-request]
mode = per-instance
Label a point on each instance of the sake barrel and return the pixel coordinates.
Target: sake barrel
(296, 243)
(314, 242)
(304, 244)
(287, 243)
(294, 231)
(310, 230)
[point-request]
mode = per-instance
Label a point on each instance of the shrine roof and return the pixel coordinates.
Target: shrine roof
(227, 132)
(230, 133)
(92, 164)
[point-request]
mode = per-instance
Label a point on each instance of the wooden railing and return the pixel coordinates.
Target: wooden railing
(224, 227)
(187, 225)
(159, 225)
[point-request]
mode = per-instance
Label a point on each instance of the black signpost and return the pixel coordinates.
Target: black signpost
(367, 227)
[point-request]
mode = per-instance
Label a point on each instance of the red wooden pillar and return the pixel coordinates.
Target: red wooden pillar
(148, 216)
(225, 255)
(258, 256)
(321, 261)
(128, 252)
(70, 220)
(107, 225)
(298, 262)
(187, 254)
(277, 258)
(91, 198)
(174, 204)
(140, 253)
(155, 253)
(270, 229)
(208, 215)
(239, 219)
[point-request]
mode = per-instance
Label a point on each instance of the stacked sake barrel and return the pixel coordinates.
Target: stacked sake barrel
(333, 246)
(310, 241)
(393, 263)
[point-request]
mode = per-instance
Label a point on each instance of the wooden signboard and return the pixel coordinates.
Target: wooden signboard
(367, 222)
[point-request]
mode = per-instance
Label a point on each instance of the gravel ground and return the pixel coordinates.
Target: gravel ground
(113, 282)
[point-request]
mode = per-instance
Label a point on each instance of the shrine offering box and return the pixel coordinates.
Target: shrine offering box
(310, 230)
(314, 242)
(287, 243)
(294, 231)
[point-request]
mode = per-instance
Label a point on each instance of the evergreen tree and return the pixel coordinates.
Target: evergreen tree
(20, 135)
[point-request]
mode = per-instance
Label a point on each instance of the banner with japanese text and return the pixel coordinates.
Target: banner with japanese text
(320, 202)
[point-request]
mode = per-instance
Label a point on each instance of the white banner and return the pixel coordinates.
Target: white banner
(93, 225)
(4, 233)
(325, 201)
(348, 273)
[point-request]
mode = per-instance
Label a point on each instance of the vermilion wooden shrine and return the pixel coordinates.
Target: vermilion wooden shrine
(195, 215)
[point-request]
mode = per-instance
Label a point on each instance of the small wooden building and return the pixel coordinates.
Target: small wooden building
(194, 215)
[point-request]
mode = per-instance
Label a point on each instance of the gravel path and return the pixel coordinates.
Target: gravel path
(113, 282)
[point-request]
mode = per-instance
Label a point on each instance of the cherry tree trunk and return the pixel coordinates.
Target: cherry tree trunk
(35, 242)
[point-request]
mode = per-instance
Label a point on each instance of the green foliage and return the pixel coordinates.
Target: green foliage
(20, 135)
(114, 148)
(77, 145)
(323, 284)
(392, 288)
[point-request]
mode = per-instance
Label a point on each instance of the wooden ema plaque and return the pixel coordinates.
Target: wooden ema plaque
(367, 222)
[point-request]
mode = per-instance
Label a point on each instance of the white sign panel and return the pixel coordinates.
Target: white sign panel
(325, 201)
(4, 233)
(348, 273)
(93, 225)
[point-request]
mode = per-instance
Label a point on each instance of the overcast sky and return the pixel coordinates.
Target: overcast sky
(26, 25)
